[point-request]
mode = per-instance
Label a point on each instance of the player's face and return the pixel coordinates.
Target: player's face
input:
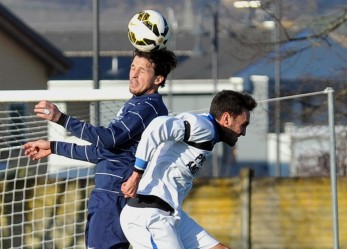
(234, 127)
(142, 77)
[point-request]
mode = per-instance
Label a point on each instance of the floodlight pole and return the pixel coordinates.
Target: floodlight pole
(214, 41)
(95, 108)
(174, 25)
(277, 77)
(214, 47)
(198, 51)
(214, 56)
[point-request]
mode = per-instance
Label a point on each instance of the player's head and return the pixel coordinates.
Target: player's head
(231, 110)
(157, 65)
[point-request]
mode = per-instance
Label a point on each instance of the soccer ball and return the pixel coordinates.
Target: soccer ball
(148, 31)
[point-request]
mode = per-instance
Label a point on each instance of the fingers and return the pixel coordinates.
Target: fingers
(44, 104)
(128, 192)
(44, 112)
(47, 110)
(26, 146)
(43, 107)
(31, 151)
(124, 188)
(129, 196)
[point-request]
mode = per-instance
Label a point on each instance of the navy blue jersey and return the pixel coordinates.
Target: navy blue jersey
(112, 148)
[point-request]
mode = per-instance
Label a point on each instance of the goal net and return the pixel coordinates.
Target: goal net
(43, 203)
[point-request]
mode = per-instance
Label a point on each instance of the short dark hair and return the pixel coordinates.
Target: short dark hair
(164, 61)
(231, 102)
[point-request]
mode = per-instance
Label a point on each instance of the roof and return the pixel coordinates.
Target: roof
(302, 60)
(33, 42)
(79, 44)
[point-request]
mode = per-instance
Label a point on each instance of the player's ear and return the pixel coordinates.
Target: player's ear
(159, 79)
(226, 119)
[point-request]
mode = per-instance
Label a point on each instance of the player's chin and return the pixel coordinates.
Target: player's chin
(138, 92)
(134, 90)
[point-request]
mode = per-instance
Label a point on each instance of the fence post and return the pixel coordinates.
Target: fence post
(333, 168)
(245, 182)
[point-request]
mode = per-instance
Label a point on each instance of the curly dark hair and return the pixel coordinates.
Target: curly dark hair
(231, 102)
(164, 61)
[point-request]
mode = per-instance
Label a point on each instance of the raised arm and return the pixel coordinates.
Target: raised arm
(128, 125)
(161, 129)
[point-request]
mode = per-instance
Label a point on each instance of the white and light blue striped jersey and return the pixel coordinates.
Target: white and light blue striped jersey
(171, 155)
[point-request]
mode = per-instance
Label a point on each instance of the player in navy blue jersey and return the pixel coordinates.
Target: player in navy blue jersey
(111, 148)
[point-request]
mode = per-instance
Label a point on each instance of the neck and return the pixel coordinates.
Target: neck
(217, 128)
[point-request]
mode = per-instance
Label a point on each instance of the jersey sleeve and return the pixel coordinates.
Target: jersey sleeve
(87, 153)
(129, 125)
(161, 129)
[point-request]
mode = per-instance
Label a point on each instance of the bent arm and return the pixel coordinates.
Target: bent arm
(158, 131)
(161, 129)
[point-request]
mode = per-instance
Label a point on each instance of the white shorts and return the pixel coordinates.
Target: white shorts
(153, 228)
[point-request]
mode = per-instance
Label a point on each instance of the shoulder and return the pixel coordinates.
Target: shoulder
(153, 101)
(153, 98)
(201, 129)
(196, 119)
(147, 103)
(164, 120)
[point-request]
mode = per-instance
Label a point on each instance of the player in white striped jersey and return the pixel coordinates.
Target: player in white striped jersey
(170, 153)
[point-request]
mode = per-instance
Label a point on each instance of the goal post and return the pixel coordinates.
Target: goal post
(43, 203)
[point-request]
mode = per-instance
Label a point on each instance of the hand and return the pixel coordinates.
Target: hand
(47, 110)
(129, 188)
(37, 149)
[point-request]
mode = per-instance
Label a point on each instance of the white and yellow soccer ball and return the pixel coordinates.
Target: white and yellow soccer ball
(148, 31)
